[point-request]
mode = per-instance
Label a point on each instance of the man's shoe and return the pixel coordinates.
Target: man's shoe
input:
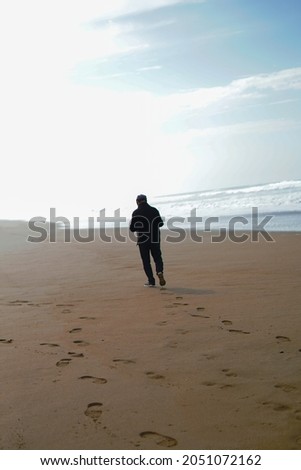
(149, 284)
(161, 279)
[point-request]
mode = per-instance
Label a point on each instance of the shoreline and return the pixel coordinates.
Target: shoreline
(14, 235)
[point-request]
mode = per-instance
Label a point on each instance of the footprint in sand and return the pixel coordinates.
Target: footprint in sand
(161, 323)
(94, 411)
(276, 406)
(225, 386)
(209, 384)
(285, 387)
(227, 322)
(65, 305)
(159, 439)
(153, 375)
(74, 354)
(298, 441)
(172, 344)
(95, 380)
(198, 314)
(63, 362)
(75, 330)
(240, 331)
(125, 361)
(51, 345)
(228, 373)
(282, 339)
(171, 313)
(79, 342)
(6, 341)
(298, 415)
(181, 331)
(209, 357)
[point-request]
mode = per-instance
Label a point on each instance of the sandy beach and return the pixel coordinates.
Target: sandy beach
(90, 359)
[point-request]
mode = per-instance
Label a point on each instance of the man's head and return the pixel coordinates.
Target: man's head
(141, 198)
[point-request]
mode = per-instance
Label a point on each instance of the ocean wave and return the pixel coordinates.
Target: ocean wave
(269, 197)
(281, 185)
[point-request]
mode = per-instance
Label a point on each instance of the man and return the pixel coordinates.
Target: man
(146, 222)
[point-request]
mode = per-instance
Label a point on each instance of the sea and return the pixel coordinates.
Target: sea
(273, 206)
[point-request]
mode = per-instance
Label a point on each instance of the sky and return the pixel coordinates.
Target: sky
(104, 99)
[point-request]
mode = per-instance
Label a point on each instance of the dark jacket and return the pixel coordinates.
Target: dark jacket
(146, 221)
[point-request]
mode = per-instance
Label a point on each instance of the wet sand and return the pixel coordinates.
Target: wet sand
(90, 359)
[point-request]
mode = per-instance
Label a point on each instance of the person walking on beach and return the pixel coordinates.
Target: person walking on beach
(146, 222)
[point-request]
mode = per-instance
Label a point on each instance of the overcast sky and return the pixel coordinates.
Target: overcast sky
(104, 99)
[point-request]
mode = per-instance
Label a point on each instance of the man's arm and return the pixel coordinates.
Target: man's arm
(159, 219)
(132, 223)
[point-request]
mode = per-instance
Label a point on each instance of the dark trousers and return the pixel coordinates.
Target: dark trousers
(147, 249)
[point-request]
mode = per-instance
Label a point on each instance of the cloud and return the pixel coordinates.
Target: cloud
(116, 8)
(55, 34)
(151, 67)
(241, 89)
(250, 127)
(288, 79)
(217, 34)
(283, 102)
